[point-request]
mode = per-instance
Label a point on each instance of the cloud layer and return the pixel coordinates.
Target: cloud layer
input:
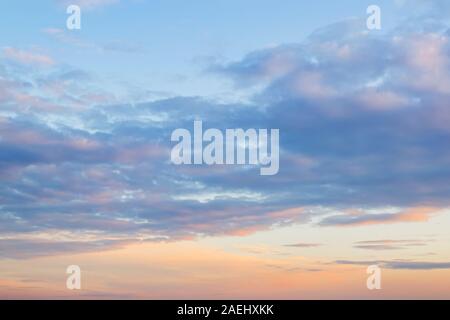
(363, 120)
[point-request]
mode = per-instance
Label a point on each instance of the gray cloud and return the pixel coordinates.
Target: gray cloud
(390, 244)
(24, 249)
(303, 245)
(399, 264)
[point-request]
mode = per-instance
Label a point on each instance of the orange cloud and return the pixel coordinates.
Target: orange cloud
(417, 214)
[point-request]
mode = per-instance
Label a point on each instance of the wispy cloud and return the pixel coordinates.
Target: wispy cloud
(400, 264)
(113, 46)
(31, 248)
(27, 57)
(419, 214)
(390, 244)
(303, 245)
(88, 4)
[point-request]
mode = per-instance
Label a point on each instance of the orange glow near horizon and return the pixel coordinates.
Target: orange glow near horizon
(190, 270)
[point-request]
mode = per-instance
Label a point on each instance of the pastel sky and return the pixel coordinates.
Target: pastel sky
(86, 179)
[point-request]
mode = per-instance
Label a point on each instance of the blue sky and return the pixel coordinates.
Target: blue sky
(189, 35)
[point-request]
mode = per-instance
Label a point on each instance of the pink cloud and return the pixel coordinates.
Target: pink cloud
(27, 58)
(415, 214)
(382, 99)
(312, 85)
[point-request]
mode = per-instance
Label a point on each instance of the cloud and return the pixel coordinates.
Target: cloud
(303, 245)
(417, 265)
(113, 46)
(25, 249)
(420, 214)
(363, 123)
(400, 264)
(390, 244)
(88, 4)
(26, 57)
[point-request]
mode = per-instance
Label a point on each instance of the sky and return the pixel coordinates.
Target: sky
(86, 118)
